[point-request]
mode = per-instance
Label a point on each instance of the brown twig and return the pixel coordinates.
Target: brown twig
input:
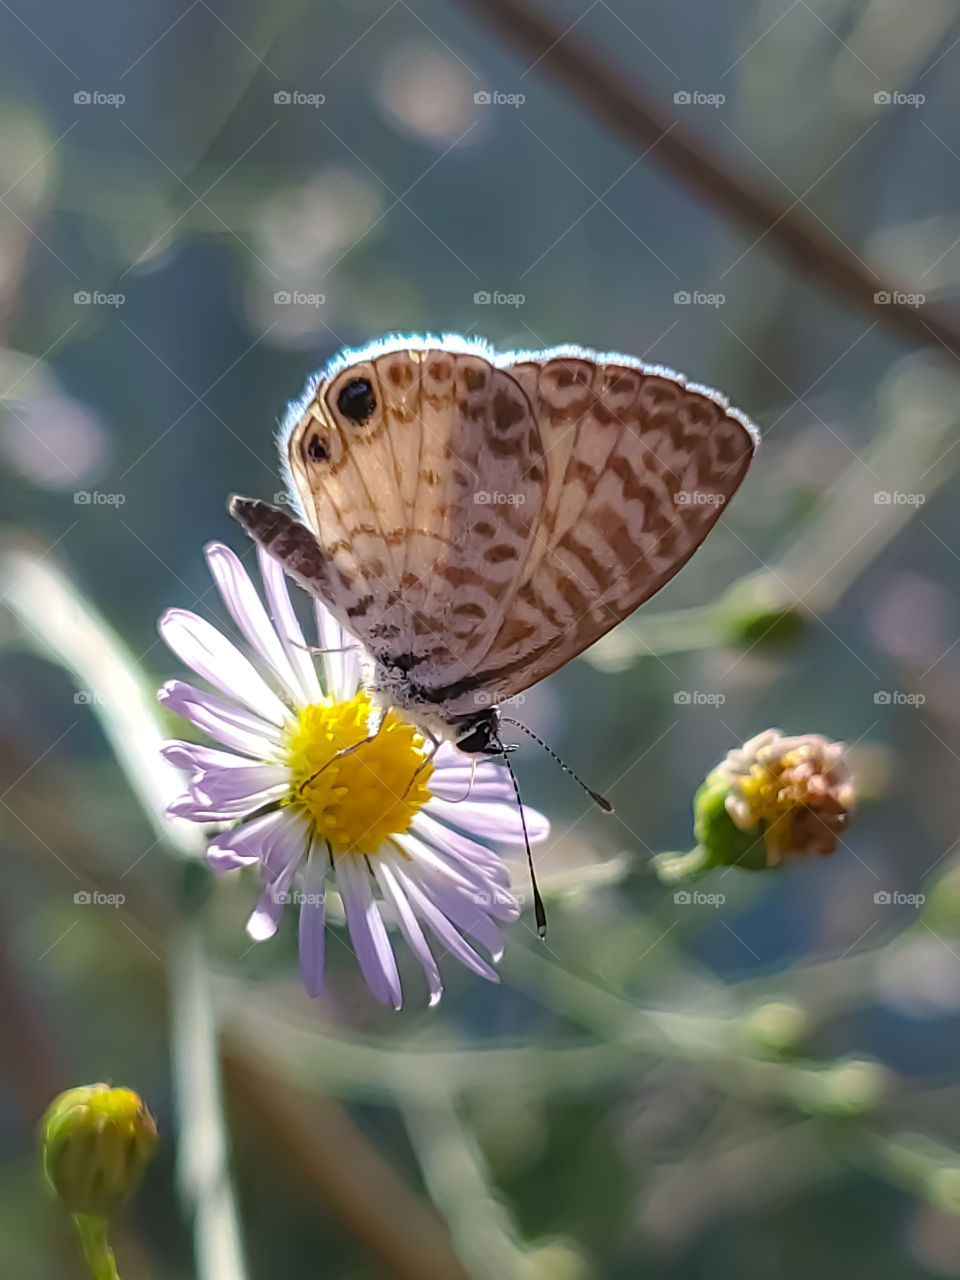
(638, 117)
(329, 1155)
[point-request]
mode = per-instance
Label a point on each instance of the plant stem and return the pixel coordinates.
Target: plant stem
(93, 1236)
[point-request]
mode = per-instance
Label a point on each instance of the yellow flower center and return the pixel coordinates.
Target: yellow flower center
(770, 796)
(356, 801)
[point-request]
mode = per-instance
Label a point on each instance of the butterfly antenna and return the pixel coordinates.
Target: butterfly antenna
(595, 796)
(538, 907)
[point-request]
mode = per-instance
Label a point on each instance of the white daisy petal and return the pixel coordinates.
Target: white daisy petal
(266, 914)
(210, 654)
(466, 853)
(312, 930)
(194, 758)
(492, 820)
(341, 661)
(232, 725)
(407, 923)
(441, 927)
(258, 840)
(367, 931)
(288, 628)
(490, 783)
(467, 911)
(470, 879)
(246, 608)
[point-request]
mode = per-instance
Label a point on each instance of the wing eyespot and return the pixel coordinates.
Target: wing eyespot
(357, 400)
(318, 450)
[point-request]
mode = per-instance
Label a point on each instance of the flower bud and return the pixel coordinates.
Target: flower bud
(773, 797)
(757, 611)
(97, 1141)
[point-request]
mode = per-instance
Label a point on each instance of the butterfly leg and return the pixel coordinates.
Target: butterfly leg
(434, 748)
(378, 717)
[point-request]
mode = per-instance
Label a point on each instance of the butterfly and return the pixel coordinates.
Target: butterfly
(475, 520)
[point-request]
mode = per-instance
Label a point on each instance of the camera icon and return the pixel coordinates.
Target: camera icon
(482, 698)
(81, 98)
(882, 698)
(682, 98)
(81, 498)
(882, 498)
(882, 898)
(82, 298)
(82, 698)
(82, 898)
(682, 698)
(882, 298)
(682, 298)
(682, 898)
(883, 98)
(282, 98)
(482, 98)
(282, 298)
(482, 298)
(482, 498)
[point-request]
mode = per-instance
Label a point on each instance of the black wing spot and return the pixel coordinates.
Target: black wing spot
(318, 449)
(357, 401)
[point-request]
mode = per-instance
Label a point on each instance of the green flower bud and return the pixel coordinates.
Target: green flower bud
(97, 1141)
(755, 611)
(772, 798)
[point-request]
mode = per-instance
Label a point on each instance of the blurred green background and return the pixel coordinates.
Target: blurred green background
(172, 266)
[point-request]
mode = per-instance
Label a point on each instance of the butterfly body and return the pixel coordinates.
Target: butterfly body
(475, 520)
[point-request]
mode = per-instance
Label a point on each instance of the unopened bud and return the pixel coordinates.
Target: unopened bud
(97, 1141)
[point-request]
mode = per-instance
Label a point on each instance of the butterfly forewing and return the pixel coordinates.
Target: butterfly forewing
(640, 467)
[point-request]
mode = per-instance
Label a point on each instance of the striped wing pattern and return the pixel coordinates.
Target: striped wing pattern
(489, 520)
(640, 467)
(403, 504)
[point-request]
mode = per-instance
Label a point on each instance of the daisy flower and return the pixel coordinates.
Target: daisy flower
(404, 837)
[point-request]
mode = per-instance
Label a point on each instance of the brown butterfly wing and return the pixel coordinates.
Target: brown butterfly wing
(639, 468)
(405, 505)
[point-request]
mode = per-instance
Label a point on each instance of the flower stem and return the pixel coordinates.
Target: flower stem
(93, 1237)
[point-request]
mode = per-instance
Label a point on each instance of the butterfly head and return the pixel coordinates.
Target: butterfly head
(479, 734)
